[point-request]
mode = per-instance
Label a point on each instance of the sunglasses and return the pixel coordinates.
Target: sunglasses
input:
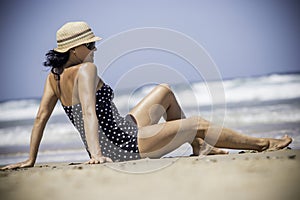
(90, 45)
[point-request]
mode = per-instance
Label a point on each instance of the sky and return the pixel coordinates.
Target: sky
(243, 37)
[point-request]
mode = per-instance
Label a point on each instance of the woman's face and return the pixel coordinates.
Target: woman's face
(85, 52)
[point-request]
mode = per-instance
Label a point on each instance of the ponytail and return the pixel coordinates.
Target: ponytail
(56, 60)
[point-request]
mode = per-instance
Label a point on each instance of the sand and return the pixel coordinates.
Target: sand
(268, 175)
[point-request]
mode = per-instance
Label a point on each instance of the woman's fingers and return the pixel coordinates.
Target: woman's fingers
(99, 160)
(14, 166)
(6, 167)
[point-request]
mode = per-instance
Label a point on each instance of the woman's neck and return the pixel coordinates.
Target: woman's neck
(72, 61)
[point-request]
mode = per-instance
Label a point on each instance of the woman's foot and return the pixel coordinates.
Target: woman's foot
(277, 144)
(200, 147)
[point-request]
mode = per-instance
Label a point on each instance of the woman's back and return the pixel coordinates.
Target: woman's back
(66, 89)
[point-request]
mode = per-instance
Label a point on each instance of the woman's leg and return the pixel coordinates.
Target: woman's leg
(160, 139)
(161, 102)
(201, 147)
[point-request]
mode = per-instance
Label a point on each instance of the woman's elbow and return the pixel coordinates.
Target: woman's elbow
(41, 118)
(88, 112)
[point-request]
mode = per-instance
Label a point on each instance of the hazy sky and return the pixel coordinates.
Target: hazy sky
(243, 37)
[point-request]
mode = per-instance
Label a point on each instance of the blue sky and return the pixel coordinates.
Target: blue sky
(243, 37)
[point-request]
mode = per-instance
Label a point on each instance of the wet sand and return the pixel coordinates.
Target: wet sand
(267, 175)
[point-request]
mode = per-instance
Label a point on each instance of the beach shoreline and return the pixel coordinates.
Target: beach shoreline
(267, 175)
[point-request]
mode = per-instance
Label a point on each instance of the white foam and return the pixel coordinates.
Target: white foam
(54, 133)
(274, 87)
(265, 88)
(23, 109)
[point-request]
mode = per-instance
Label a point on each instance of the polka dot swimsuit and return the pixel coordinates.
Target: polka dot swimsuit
(117, 135)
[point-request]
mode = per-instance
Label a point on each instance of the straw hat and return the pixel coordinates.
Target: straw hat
(73, 34)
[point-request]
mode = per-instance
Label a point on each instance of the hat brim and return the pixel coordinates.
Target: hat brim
(63, 50)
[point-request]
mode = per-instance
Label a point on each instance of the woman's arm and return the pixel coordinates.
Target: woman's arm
(87, 85)
(46, 107)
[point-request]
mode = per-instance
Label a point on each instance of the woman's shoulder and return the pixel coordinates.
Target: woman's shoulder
(74, 71)
(80, 68)
(87, 68)
(50, 78)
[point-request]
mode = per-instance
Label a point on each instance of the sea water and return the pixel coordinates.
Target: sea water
(265, 106)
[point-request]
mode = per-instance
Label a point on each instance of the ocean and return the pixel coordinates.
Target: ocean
(262, 106)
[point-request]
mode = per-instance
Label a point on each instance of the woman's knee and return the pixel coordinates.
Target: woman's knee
(200, 123)
(165, 87)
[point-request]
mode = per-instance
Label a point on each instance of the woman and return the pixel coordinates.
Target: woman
(107, 136)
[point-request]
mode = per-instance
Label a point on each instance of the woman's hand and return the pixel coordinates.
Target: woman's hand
(99, 160)
(24, 164)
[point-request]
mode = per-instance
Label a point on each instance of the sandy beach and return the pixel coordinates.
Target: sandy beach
(267, 175)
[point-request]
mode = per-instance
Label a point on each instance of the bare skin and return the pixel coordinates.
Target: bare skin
(79, 83)
(156, 140)
(71, 93)
(164, 104)
(201, 147)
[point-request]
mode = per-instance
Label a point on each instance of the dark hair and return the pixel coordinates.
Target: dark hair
(56, 60)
